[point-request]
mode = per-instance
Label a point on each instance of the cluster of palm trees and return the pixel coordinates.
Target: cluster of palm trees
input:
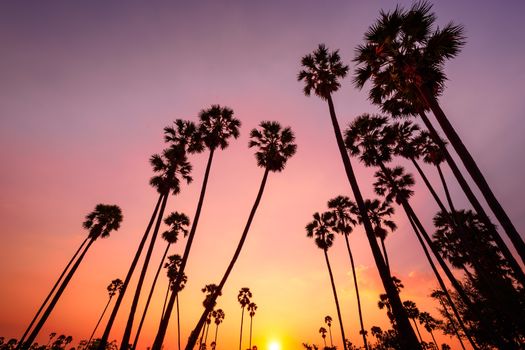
(244, 298)
(402, 58)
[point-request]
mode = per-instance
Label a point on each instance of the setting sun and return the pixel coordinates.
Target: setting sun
(274, 345)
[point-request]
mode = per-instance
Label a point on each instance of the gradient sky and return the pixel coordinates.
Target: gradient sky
(86, 88)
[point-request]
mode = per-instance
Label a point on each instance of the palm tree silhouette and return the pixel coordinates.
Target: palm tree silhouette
(217, 126)
(275, 146)
(321, 228)
(171, 163)
(100, 222)
(415, 67)
(218, 316)
(328, 321)
(430, 324)
(344, 212)
(114, 287)
(173, 268)
(252, 307)
(322, 331)
(244, 299)
(321, 74)
(440, 296)
(413, 313)
(178, 223)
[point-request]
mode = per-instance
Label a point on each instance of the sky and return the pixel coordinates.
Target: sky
(87, 88)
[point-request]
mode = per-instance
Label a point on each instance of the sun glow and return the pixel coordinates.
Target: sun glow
(274, 346)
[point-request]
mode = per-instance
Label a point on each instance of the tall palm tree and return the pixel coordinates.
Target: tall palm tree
(413, 313)
(217, 126)
(321, 74)
(218, 316)
(344, 214)
(328, 321)
(100, 223)
(173, 161)
(178, 223)
(416, 65)
(322, 331)
(173, 268)
(244, 299)
(114, 287)
(275, 146)
(252, 307)
(321, 229)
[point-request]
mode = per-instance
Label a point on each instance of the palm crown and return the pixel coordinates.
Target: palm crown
(172, 267)
(379, 214)
(275, 145)
(217, 125)
(343, 210)
(185, 135)
(178, 223)
(101, 221)
(252, 307)
(321, 229)
(218, 316)
(394, 185)
(169, 166)
(114, 287)
(322, 71)
(244, 296)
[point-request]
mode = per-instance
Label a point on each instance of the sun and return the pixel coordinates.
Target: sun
(274, 346)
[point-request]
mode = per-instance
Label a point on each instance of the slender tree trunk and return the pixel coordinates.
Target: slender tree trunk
(430, 187)
(202, 336)
(445, 188)
(363, 332)
(242, 319)
(22, 339)
(454, 328)
(100, 319)
(165, 299)
(474, 171)
(161, 333)
(518, 272)
(417, 330)
(434, 339)
(330, 332)
(178, 323)
(104, 340)
(335, 298)
(124, 345)
(251, 324)
(139, 329)
(207, 330)
(385, 255)
(54, 301)
(324, 340)
(216, 332)
(193, 336)
(407, 337)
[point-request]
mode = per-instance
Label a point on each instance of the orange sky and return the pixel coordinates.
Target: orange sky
(87, 90)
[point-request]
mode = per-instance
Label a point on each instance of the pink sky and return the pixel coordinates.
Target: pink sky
(87, 88)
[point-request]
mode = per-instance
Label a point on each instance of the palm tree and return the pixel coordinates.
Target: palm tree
(322, 331)
(344, 212)
(114, 287)
(430, 324)
(244, 299)
(218, 316)
(440, 296)
(413, 313)
(321, 74)
(100, 222)
(275, 146)
(321, 229)
(173, 267)
(328, 321)
(252, 307)
(178, 223)
(415, 66)
(173, 161)
(217, 126)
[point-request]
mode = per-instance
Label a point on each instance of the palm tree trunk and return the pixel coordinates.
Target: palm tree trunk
(53, 302)
(216, 332)
(407, 337)
(202, 336)
(139, 329)
(434, 339)
(474, 172)
(22, 339)
(251, 324)
(124, 345)
(100, 319)
(178, 323)
(165, 299)
(429, 186)
(242, 319)
(207, 330)
(193, 336)
(451, 320)
(104, 340)
(335, 298)
(417, 330)
(363, 332)
(445, 188)
(329, 332)
(385, 255)
(163, 327)
(518, 272)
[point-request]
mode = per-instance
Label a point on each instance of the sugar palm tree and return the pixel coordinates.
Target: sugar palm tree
(344, 214)
(320, 228)
(328, 321)
(275, 145)
(321, 73)
(218, 316)
(178, 224)
(173, 270)
(217, 126)
(322, 331)
(99, 223)
(413, 313)
(252, 307)
(244, 299)
(114, 287)
(416, 66)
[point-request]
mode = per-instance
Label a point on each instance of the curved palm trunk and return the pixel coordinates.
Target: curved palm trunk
(474, 171)
(53, 302)
(518, 272)
(124, 345)
(407, 337)
(363, 332)
(251, 324)
(335, 298)
(22, 339)
(161, 333)
(194, 334)
(139, 329)
(242, 319)
(99, 320)
(443, 287)
(104, 340)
